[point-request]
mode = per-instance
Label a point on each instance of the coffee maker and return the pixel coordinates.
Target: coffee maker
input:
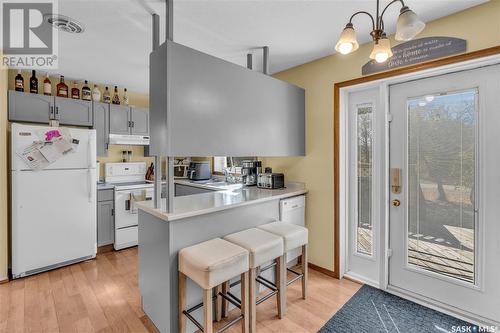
(249, 172)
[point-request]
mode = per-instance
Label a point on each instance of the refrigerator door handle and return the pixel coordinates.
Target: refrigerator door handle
(89, 157)
(89, 184)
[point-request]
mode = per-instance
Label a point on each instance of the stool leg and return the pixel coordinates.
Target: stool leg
(182, 302)
(252, 298)
(245, 311)
(304, 271)
(281, 283)
(225, 304)
(218, 303)
(207, 311)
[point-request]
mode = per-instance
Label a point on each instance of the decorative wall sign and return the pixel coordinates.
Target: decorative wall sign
(417, 51)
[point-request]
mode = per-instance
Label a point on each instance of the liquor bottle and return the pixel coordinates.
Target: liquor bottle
(47, 86)
(125, 97)
(75, 92)
(116, 98)
(62, 88)
(96, 94)
(86, 93)
(33, 83)
(19, 81)
(106, 96)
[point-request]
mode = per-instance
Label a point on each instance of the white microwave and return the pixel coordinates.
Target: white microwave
(181, 171)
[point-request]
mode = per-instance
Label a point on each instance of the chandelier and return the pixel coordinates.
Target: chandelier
(407, 27)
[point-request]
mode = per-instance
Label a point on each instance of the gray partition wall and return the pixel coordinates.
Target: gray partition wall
(201, 105)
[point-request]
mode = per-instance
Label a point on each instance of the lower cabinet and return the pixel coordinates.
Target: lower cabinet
(105, 219)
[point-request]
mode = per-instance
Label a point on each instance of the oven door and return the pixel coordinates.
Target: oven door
(125, 206)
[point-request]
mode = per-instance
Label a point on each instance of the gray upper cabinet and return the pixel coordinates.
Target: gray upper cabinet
(119, 119)
(30, 107)
(101, 125)
(36, 108)
(75, 112)
(140, 121)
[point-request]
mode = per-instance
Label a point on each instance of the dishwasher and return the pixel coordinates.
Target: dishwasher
(293, 210)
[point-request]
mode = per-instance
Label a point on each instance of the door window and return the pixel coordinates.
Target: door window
(442, 140)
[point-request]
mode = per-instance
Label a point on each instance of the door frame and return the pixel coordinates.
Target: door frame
(382, 81)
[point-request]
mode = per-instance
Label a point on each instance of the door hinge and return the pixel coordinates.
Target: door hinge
(389, 117)
(389, 253)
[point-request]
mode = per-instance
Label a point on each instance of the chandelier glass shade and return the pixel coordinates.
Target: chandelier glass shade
(407, 27)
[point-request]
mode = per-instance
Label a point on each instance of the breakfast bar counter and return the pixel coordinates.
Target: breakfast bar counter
(194, 219)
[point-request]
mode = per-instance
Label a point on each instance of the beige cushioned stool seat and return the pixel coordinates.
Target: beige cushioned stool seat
(263, 246)
(212, 262)
(293, 235)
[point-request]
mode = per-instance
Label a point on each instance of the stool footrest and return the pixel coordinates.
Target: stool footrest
(266, 297)
(297, 277)
(266, 283)
(232, 299)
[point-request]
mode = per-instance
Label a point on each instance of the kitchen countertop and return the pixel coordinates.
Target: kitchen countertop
(204, 203)
(104, 186)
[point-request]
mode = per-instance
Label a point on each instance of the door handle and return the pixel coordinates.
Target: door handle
(396, 203)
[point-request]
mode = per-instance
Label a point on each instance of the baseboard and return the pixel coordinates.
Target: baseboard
(361, 280)
(323, 270)
(4, 280)
(105, 249)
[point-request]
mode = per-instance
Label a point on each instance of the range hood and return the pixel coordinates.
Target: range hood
(127, 139)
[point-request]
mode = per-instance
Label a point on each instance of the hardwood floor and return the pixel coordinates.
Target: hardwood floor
(102, 295)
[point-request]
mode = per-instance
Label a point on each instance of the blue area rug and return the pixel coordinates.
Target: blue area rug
(372, 310)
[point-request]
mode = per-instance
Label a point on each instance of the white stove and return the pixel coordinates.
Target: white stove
(130, 188)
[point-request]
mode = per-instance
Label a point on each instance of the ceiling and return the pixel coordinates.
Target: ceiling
(115, 47)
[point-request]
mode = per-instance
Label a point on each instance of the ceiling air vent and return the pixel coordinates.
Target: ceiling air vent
(65, 23)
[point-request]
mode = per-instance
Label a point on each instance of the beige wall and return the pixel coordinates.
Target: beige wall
(3, 175)
(480, 26)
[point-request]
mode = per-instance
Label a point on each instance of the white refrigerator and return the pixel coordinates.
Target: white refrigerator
(54, 208)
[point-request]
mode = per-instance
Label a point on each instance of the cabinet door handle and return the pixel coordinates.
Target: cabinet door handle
(132, 123)
(112, 212)
(51, 112)
(57, 112)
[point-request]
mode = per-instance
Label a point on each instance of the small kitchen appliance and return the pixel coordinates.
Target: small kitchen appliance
(249, 172)
(130, 187)
(199, 171)
(271, 180)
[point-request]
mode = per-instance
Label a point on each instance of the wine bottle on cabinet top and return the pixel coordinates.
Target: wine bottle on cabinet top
(106, 96)
(86, 93)
(96, 94)
(62, 88)
(19, 81)
(33, 83)
(75, 92)
(116, 98)
(47, 86)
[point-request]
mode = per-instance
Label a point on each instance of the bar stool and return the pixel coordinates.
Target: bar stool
(263, 247)
(294, 236)
(209, 264)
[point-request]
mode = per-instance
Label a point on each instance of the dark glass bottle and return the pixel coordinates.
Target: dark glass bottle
(86, 92)
(19, 81)
(116, 98)
(62, 88)
(106, 96)
(75, 92)
(33, 83)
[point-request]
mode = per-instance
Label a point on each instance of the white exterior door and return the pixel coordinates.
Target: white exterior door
(444, 217)
(365, 146)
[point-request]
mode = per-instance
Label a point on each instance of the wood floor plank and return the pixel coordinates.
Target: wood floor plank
(103, 296)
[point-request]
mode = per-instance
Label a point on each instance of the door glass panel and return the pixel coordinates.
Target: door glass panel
(442, 139)
(364, 147)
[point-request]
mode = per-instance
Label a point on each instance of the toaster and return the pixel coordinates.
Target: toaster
(271, 180)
